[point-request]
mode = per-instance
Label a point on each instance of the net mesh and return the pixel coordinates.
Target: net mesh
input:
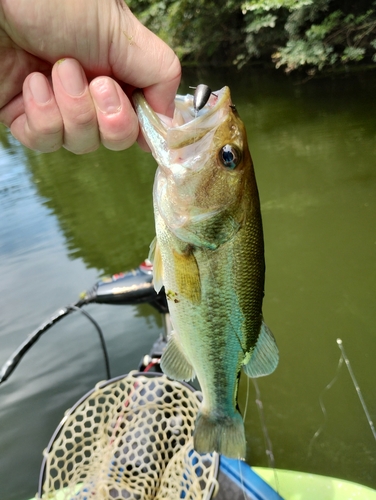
(130, 438)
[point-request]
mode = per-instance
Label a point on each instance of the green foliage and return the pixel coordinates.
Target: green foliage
(298, 53)
(198, 30)
(274, 4)
(309, 34)
(330, 39)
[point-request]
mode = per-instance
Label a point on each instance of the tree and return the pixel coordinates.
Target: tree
(310, 34)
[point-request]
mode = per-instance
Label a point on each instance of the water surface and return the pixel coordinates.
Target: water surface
(66, 220)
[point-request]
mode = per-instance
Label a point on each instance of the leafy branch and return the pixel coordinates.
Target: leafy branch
(312, 35)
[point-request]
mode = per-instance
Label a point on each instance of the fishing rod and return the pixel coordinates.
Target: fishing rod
(129, 288)
(20, 352)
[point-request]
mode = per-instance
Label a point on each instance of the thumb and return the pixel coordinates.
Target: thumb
(140, 58)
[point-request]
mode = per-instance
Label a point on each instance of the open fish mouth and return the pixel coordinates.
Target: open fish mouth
(186, 148)
(189, 124)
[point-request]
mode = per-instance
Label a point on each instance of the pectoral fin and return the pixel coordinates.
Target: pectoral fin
(187, 275)
(156, 258)
(265, 356)
(174, 363)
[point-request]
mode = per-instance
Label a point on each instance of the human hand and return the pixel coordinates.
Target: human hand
(68, 68)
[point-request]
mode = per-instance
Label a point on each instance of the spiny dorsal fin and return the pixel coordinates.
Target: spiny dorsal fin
(156, 258)
(174, 363)
(265, 356)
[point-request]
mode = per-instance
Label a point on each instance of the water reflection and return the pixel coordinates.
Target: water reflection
(102, 202)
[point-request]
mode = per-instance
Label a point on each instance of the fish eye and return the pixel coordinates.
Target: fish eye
(230, 156)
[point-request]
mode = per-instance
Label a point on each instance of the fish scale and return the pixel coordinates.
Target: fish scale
(209, 256)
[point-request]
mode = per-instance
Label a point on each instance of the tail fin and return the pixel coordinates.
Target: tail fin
(223, 434)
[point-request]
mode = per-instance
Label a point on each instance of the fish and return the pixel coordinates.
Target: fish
(208, 254)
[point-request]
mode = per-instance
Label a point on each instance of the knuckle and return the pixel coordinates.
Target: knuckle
(81, 149)
(45, 126)
(48, 148)
(46, 142)
(88, 149)
(81, 134)
(39, 143)
(48, 129)
(175, 68)
(85, 118)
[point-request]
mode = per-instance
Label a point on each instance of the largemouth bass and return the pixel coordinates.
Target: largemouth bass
(209, 256)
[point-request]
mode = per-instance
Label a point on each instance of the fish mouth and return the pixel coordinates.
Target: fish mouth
(188, 125)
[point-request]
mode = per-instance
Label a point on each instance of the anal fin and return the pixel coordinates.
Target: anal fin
(265, 356)
(174, 363)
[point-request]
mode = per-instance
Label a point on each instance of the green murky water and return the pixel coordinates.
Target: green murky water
(66, 220)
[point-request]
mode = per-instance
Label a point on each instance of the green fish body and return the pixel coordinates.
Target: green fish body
(209, 255)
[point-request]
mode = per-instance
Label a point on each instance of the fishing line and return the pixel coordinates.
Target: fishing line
(343, 358)
(357, 388)
(241, 480)
(195, 129)
(323, 409)
(267, 440)
(246, 401)
(244, 415)
(20, 352)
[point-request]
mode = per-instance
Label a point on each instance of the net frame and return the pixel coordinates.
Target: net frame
(130, 437)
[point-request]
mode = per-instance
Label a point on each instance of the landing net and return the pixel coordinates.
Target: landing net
(130, 438)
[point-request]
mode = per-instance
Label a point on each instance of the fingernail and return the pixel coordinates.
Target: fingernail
(105, 95)
(39, 88)
(72, 77)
